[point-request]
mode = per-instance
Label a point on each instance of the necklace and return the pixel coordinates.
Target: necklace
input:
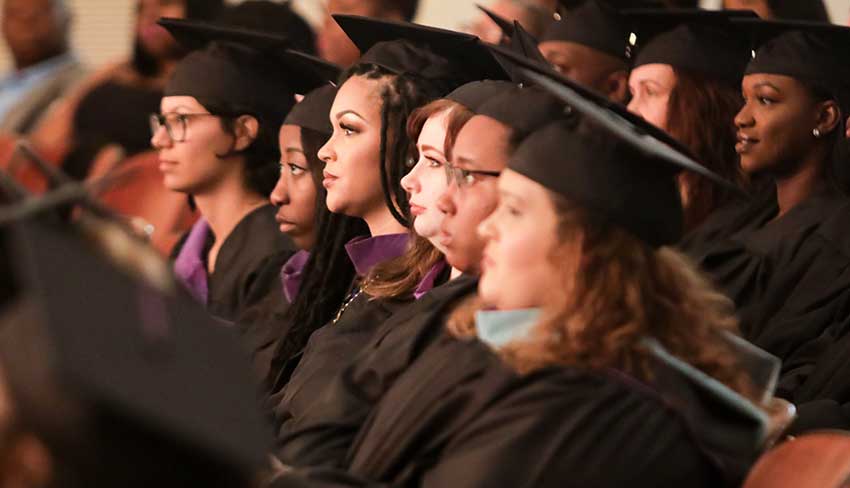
(346, 303)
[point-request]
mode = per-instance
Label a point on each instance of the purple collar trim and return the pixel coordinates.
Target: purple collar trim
(427, 283)
(189, 266)
(292, 274)
(366, 252)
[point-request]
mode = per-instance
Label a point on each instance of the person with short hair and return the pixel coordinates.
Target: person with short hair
(37, 34)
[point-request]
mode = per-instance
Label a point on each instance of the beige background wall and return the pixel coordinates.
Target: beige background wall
(102, 28)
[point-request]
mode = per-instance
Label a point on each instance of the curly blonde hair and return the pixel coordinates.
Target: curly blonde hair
(619, 290)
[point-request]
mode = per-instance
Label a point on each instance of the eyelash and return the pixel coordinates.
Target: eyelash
(433, 163)
(348, 130)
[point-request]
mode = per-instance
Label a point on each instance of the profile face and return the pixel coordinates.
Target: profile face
(188, 157)
(482, 145)
(776, 123)
(518, 268)
(294, 195)
(426, 181)
(651, 86)
(352, 156)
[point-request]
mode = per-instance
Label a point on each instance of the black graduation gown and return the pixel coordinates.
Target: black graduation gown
(247, 270)
(323, 434)
(328, 351)
(459, 417)
(785, 276)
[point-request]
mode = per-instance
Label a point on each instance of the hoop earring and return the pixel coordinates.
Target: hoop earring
(816, 132)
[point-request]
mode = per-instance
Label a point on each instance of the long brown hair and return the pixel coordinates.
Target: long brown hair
(399, 277)
(618, 291)
(701, 115)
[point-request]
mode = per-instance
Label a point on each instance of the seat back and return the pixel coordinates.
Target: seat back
(817, 460)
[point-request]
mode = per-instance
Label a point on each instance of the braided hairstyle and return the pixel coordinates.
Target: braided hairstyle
(329, 273)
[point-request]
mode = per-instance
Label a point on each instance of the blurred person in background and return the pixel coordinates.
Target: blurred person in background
(36, 34)
(811, 10)
(82, 124)
(532, 15)
(335, 46)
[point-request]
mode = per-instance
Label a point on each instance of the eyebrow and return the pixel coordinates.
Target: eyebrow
(428, 147)
(294, 150)
(464, 161)
(339, 115)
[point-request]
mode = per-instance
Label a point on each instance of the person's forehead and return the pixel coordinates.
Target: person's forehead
(352, 7)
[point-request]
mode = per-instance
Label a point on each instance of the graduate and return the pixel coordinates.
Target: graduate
(686, 80)
(783, 257)
(102, 381)
(534, 389)
(479, 145)
(216, 138)
(404, 66)
(589, 45)
(299, 198)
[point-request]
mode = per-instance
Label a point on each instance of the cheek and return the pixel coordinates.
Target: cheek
(432, 185)
(656, 111)
(304, 197)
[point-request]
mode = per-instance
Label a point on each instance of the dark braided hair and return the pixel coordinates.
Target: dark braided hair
(329, 273)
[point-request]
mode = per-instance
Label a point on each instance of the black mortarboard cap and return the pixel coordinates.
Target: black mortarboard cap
(269, 50)
(475, 94)
(812, 52)
(312, 112)
(271, 17)
(523, 108)
(624, 169)
(594, 24)
(505, 25)
(155, 361)
(233, 67)
(429, 52)
(696, 40)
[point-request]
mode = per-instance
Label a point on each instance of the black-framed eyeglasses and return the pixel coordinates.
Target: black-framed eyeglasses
(175, 124)
(466, 177)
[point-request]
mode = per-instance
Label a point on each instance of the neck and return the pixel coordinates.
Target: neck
(381, 222)
(22, 65)
(224, 207)
(799, 186)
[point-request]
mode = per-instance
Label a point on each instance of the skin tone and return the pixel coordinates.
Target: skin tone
(333, 44)
(760, 7)
(485, 28)
(775, 135)
(295, 192)
(352, 157)
(193, 167)
(651, 86)
(588, 67)
(24, 459)
(155, 39)
(426, 182)
(34, 30)
(481, 145)
(521, 239)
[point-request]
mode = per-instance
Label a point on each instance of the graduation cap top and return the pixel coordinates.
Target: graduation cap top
(505, 25)
(312, 112)
(807, 51)
(618, 165)
(701, 41)
(428, 52)
(476, 93)
(154, 361)
(592, 23)
(244, 67)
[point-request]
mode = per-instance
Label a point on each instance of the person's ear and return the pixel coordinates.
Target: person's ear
(829, 116)
(247, 128)
(617, 86)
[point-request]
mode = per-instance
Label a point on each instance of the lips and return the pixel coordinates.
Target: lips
(745, 143)
(416, 210)
(328, 180)
(166, 165)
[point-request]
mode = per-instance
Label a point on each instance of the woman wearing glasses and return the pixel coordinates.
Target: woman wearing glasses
(216, 137)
